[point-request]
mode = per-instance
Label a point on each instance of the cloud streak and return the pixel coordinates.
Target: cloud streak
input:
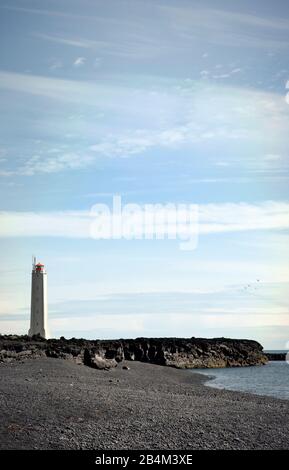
(79, 61)
(213, 219)
(183, 26)
(194, 113)
(231, 29)
(68, 41)
(54, 164)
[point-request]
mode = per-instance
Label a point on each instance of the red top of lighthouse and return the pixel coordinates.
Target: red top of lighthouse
(39, 267)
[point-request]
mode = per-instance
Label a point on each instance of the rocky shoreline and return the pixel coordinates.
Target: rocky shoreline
(182, 353)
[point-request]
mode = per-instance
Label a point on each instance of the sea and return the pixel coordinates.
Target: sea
(271, 379)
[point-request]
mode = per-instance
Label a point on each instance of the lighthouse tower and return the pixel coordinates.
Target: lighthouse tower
(38, 319)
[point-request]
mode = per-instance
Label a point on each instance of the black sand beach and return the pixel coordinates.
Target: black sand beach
(55, 404)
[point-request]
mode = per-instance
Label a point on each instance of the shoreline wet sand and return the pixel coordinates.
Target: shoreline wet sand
(56, 404)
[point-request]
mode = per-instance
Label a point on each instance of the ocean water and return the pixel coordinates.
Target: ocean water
(271, 379)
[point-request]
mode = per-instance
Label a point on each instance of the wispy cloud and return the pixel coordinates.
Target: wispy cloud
(69, 41)
(213, 218)
(43, 11)
(95, 16)
(131, 46)
(227, 28)
(59, 89)
(182, 26)
(249, 19)
(273, 157)
(138, 141)
(79, 61)
(207, 74)
(229, 17)
(194, 113)
(52, 164)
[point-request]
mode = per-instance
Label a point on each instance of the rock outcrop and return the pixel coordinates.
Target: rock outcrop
(105, 354)
(195, 352)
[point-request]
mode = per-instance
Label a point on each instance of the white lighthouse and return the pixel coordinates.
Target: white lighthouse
(38, 319)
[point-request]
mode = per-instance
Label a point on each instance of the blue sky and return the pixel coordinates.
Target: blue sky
(159, 102)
